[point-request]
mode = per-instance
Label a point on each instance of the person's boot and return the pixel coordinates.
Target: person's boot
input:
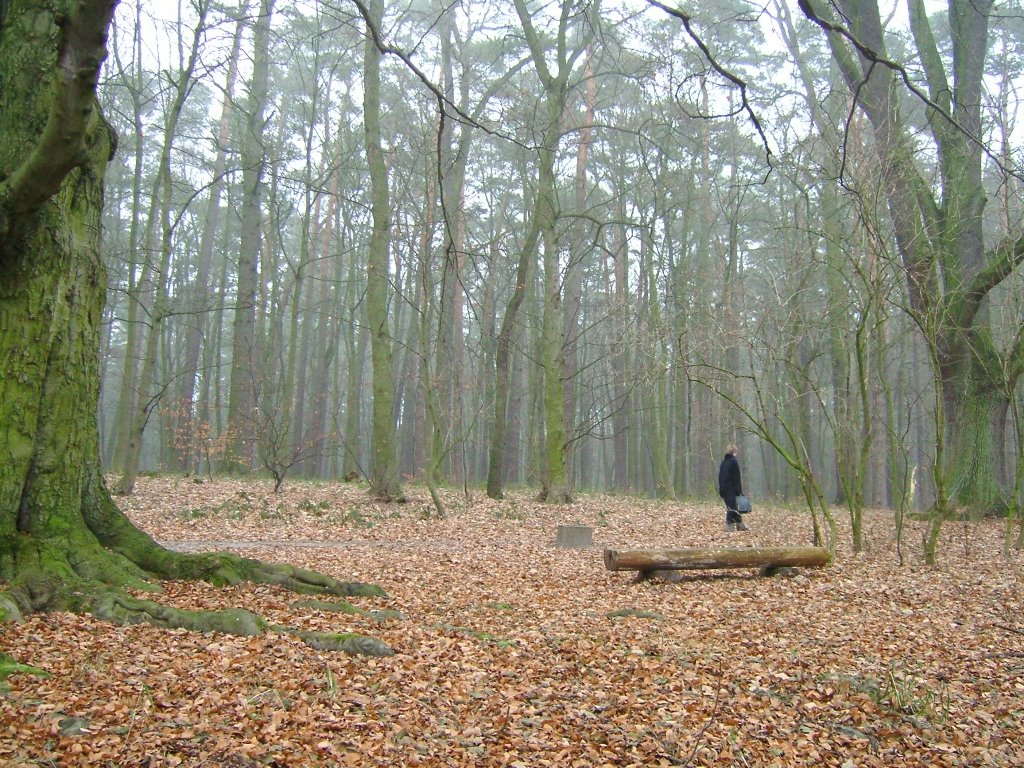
(741, 526)
(730, 527)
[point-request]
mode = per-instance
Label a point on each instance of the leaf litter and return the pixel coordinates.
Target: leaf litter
(510, 651)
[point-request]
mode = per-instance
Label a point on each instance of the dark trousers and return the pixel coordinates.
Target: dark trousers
(731, 515)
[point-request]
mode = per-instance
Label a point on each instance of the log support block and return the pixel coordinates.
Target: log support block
(574, 536)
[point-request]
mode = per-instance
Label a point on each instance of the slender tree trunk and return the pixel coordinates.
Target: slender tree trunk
(127, 395)
(503, 364)
(448, 433)
(555, 480)
(384, 481)
(313, 437)
(655, 402)
(352, 462)
(244, 358)
(574, 270)
(620, 365)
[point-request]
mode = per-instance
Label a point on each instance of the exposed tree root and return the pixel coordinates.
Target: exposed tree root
(121, 609)
(114, 605)
(9, 666)
(346, 642)
(92, 571)
(340, 606)
(232, 621)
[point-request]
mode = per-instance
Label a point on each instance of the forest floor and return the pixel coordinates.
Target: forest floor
(509, 651)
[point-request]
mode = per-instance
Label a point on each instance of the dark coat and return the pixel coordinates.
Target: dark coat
(729, 483)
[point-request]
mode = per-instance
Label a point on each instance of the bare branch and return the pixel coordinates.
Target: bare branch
(876, 58)
(444, 103)
(741, 84)
(1001, 263)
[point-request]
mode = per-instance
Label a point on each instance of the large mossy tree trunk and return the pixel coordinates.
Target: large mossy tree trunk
(974, 409)
(52, 288)
(64, 544)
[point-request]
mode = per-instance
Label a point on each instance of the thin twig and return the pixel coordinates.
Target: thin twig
(1008, 628)
(741, 84)
(875, 57)
(707, 724)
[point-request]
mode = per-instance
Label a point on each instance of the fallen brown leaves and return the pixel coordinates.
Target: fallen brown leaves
(507, 653)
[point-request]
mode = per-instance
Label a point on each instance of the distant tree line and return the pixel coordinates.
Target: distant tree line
(577, 247)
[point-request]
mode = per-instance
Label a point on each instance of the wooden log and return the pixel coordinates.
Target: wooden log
(697, 559)
(574, 536)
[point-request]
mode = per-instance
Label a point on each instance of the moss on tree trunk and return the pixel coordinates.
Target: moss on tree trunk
(972, 476)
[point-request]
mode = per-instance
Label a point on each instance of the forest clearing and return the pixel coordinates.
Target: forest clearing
(476, 245)
(511, 651)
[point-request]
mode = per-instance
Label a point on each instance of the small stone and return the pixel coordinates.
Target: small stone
(72, 726)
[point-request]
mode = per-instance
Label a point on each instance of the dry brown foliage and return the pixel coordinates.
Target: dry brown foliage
(509, 652)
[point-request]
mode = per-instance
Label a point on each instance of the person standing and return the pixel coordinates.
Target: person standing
(730, 485)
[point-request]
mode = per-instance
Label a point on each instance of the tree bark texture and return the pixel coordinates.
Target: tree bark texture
(711, 558)
(52, 288)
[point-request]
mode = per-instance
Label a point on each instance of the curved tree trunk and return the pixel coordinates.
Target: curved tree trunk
(64, 544)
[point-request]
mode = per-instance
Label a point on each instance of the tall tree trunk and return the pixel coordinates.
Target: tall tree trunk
(127, 394)
(555, 485)
(555, 480)
(449, 438)
(620, 363)
(581, 248)
(313, 437)
(384, 481)
(503, 364)
(241, 424)
(653, 413)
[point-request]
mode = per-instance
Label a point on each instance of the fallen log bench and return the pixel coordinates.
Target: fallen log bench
(769, 559)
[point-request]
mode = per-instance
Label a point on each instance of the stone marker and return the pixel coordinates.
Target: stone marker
(574, 536)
